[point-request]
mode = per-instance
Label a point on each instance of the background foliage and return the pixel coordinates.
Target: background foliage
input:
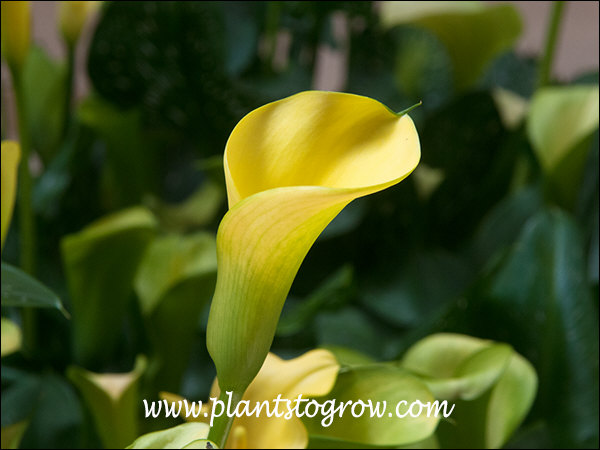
(494, 236)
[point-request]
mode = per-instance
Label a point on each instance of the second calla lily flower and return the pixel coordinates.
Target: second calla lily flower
(291, 166)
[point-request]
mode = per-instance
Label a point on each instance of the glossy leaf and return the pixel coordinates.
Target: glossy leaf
(405, 297)
(34, 398)
(11, 154)
(540, 300)
(20, 393)
(181, 436)
(22, 290)
(113, 400)
(350, 327)
(312, 154)
(100, 264)
(501, 226)
(473, 33)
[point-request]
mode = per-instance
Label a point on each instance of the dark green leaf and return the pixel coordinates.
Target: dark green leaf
(406, 296)
(350, 327)
(538, 299)
(35, 398)
(51, 426)
(502, 225)
(20, 394)
(22, 290)
(501, 74)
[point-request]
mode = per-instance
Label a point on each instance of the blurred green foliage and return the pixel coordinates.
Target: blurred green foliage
(495, 236)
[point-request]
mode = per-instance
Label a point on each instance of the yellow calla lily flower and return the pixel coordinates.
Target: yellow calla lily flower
(11, 155)
(311, 374)
(16, 32)
(72, 16)
(291, 166)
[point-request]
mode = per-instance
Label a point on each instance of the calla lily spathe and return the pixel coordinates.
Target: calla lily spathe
(312, 374)
(291, 166)
(16, 33)
(11, 155)
(72, 16)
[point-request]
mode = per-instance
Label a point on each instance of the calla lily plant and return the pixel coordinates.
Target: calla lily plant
(291, 166)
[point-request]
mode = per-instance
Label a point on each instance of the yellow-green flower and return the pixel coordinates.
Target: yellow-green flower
(16, 32)
(72, 16)
(311, 374)
(291, 166)
(11, 154)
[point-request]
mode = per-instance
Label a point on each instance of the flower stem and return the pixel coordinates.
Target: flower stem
(545, 67)
(272, 27)
(26, 220)
(69, 89)
(26, 217)
(222, 425)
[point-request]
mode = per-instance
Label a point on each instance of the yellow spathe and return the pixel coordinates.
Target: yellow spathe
(311, 374)
(11, 155)
(290, 167)
(72, 16)
(16, 32)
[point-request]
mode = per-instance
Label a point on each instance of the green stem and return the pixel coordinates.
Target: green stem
(26, 217)
(271, 29)
(409, 109)
(222, 425)
(545, 66)
(69, 89)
